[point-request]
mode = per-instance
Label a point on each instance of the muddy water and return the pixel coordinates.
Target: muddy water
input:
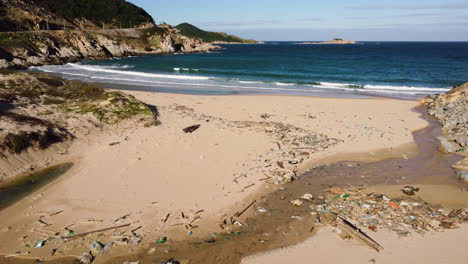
(282, 224)
(22, 187)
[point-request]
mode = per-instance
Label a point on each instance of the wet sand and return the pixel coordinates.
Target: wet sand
(364, 125)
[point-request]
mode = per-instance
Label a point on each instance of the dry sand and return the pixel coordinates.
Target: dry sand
(159, 170)
(448, 247)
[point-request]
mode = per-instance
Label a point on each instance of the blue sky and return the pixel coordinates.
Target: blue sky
(428, 20)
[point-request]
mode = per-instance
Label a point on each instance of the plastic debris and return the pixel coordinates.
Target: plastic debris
(377, 211)
(40, 244)
(86, 258)
(97, 249)
(161, 240)
(296, 203)
(307, 197)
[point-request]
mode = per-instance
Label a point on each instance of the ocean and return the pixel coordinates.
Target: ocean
(395, 69)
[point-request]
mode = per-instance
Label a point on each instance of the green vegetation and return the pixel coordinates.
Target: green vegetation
(73, 97)
(16, 40)
(116, 12)
(59, 100)
(194, 32)
(159, 31)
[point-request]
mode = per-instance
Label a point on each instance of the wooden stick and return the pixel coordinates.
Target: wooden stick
(357, 234)
(248, 186)
(167, 218)
(136, 229)
(238, 214)
(95, 231)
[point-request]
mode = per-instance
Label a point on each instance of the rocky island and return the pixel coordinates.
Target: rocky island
(330, 42)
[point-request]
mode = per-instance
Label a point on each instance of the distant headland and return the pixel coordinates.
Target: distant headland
(330, 42)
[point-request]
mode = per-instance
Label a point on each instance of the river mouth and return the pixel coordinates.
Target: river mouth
(16, 190)
(273, 223)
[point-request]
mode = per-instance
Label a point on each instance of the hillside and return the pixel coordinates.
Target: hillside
(20, 15)
(212, 37)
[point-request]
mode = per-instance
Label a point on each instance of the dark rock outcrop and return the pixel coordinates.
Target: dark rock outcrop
(451, 109)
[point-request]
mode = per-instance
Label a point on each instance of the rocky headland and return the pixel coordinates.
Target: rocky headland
(24, 49)
(451, 109)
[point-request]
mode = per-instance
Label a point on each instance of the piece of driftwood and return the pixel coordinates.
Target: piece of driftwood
(94, 231)
(135, 229)
(191, 129)
(166, 218)
(357, 234)
(280, 164)
(248, 186)
(238, 214)
(122, 218)
(454, 213)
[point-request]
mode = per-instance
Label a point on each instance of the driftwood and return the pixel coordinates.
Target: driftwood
(191, 129)
(238, 214)
(357, 234)
(166, 218)
(95, 231)
(454, 213)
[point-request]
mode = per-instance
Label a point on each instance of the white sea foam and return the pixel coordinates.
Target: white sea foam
(134, 73)
(117, 74)
(284, 84)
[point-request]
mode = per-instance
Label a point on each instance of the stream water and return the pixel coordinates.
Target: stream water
(24, 186)
(276, 228)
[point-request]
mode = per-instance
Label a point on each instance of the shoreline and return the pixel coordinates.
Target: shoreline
(203, 105)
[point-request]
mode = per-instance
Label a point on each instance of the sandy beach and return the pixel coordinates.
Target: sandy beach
(149, 177)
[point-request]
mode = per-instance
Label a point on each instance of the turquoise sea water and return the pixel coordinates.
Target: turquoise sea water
(398, 69)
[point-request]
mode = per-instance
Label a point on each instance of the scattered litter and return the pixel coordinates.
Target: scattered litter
(262, 210)
(376, 212)
(191, 129)
(86, 258)
(97, 249)
(95, 231)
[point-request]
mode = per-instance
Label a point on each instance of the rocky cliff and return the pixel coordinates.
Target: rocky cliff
(24, 49)
(452, 111)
